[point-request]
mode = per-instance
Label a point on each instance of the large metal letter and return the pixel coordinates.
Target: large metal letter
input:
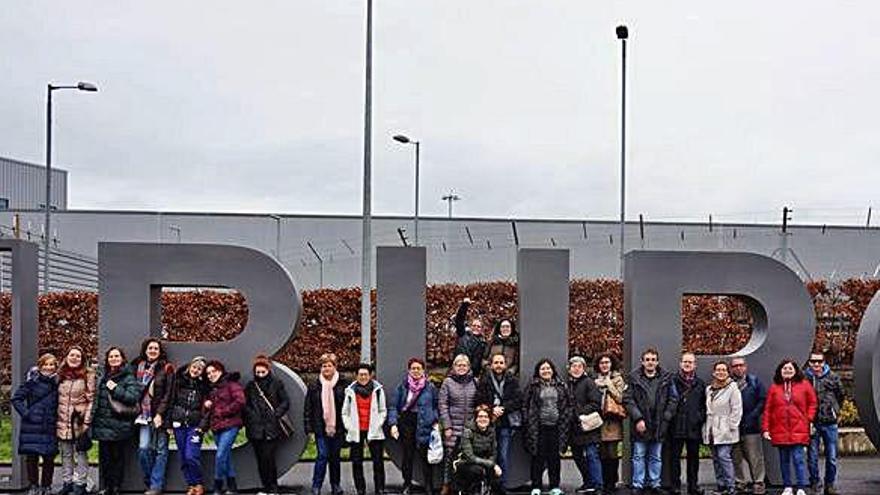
(131, 278)
(867, 371)
(656, 281)
(25, 326)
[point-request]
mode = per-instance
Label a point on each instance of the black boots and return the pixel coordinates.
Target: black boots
(231, 487)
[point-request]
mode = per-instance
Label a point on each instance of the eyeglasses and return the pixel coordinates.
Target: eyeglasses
(816, 361)
(649, 359)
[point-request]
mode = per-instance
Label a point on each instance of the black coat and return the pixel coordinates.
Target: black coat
(532, 411)
(106, 424)
(161, 386)
(691, 411)
(657, 411)
(313, 410)
(587, 399)
(36, 401)
(261, 423)
(188, 397)
(511, 396)
(472, 346)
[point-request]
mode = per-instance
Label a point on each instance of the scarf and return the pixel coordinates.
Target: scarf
(687, 378)
(462, 379)
(145, 373)
(498, 386)
(717, 387)
(742, 383)
(364, 390)
(328, 403)
(415, 388)
(786, 390)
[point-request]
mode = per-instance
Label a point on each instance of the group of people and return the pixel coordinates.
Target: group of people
(456, 438)
(66, 407)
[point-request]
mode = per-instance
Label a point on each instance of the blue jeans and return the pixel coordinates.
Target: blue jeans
(189, 446)
(223, 468)
(722, 459)
(828, 435)
(328, 453)
(646, 455)
(153, 456)
(789, 454)
(502, 437)
(586, 459)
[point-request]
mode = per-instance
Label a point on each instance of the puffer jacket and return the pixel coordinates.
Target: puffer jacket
(788, 421)
(188, 396)
(509, 346)
(36, 401)
(472, 346)
(532, 413)
(227, 403)
(587, 400)
(723, 414)
(75, 397)
(754, 395)
(261, 423)
(106, 424)
(478, 446)
(456, 406)
(690, 415)
(657, 411)
(829, 392)
(160, 388)
(612, 387)
(427, 414)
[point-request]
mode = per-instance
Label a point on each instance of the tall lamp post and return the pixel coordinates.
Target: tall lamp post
(366, 240)
(400, 138)
(622, 35)
(81, 86)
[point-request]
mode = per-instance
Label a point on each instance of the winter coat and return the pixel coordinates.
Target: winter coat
(532, 411)
(472, 346)
(36, 401)
(509, 346)
(788, 421)
(106, 424)
(75, 397)
(723, 415)
(478, 446)
(611, 387)
(426, 410)
(829, 392)
(188, 397)
(690, 415)
(457, 402)
(378, 413)
(261, 423)
(510, 399)
(754, 394)
(587, 400)
(160, 387)
(313, 409)
(638, 405)
(227, 403)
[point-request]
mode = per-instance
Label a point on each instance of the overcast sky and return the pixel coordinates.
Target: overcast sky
(736, 108)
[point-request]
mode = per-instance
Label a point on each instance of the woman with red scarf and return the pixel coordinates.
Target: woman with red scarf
(412, 418)
(788, 413)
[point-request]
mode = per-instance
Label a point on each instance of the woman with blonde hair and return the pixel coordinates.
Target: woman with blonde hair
(36, 401)
(457, 401)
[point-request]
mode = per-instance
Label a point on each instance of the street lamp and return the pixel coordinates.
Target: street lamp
(81, 86)
(366, 230)
(400, 138)
(449, 198)
(622, 35)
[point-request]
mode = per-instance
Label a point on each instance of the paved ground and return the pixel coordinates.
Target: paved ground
(858, 476)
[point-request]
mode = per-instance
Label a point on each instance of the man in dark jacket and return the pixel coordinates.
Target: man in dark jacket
(500, 389)
(829, 391)
(585, 444)
(469, 339)
(686, 429)
(750, 447)
(323, 418)
(651, 400)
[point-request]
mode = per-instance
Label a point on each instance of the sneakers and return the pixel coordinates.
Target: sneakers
(800, 491)
(536, 491)
(556, 491)
(788, 491)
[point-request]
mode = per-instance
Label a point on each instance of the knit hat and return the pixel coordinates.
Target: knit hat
(199, 359)
(262, 360)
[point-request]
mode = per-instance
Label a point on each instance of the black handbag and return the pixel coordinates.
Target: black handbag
(83, 441)
(284, 423)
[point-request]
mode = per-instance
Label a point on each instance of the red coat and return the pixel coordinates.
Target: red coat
(789, 421)
(227, 403)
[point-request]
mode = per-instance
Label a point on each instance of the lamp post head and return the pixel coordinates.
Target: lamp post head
(400, 138)
(622, 32)
(86, 86)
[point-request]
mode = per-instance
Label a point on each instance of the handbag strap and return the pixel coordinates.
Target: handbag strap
(260, 390)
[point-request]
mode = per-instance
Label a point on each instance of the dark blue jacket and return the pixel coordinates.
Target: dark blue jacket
(426, 407)
(754, 395)
(36, 400)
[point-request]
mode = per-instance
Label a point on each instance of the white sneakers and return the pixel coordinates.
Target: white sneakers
(801, 492)
(789, 491)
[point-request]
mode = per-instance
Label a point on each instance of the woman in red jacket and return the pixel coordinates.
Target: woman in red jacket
(789, 411)
(226, 404)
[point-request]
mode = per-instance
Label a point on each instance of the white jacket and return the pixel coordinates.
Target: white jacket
(378, 412)
(723, 414)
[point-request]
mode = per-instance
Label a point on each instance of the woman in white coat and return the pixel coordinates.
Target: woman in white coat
(721, 430)
(363, 413)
